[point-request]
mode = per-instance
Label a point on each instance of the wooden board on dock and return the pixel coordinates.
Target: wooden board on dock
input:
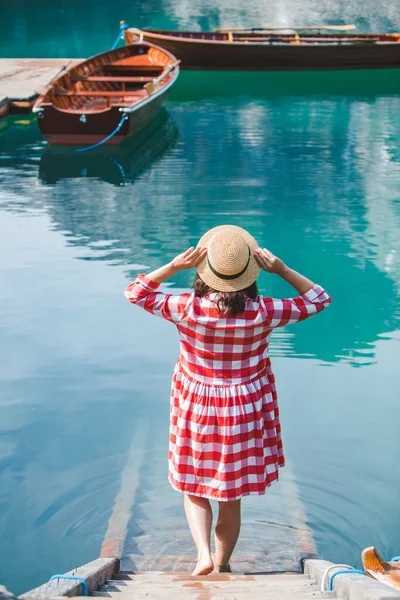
(22, 78)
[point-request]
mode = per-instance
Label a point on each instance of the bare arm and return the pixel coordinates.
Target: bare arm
(312, 298)
(273, 264)
(144, 290)
(187, 260)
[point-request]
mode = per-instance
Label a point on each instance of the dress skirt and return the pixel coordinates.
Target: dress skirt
(225, 440)
(225, 436)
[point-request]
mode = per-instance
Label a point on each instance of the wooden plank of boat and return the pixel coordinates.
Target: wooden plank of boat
(120, 79)
(349, 27)
(120, 90)
(104, 94)
(276, 49)
(305, 39)
(385, 572)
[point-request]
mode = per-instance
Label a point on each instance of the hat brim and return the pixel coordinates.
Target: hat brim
(232, 285)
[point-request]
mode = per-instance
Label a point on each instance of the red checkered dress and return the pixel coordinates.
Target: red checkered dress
(225, 435)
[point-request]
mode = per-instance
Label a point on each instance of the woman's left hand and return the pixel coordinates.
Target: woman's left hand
(189, 259)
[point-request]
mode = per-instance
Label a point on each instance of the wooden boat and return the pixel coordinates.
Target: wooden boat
(117, 91)
(274, 49)
(376, 567)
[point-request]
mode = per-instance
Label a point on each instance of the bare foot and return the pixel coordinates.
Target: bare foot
(204, 566)
(223, 568)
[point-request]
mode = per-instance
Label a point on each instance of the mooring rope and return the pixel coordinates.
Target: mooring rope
(343, 572)
(108, 137)
(122, 27)
(342, 569)
(118, 127)
(74, 577)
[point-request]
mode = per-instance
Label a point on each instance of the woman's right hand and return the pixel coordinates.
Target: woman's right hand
(269, 262)
(189, 259)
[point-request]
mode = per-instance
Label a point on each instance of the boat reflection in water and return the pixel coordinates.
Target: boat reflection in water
(113, 164)
(200, 85)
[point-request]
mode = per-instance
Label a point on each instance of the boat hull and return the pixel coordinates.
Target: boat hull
(80, 128)
(211, 54)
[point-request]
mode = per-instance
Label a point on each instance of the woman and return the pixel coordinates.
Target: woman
(225, 440)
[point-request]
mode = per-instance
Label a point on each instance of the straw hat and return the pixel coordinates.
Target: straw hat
(229, 265)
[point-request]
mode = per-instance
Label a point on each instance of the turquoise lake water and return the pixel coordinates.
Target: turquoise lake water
(310, 164)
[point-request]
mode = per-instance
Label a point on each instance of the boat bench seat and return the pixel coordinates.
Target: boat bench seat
(134, 67)
(120, 79)
(105, 94)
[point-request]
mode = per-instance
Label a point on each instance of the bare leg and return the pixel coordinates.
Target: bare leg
(226, 533)
(199, 516)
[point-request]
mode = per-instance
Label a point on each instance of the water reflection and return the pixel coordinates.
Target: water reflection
(113, 164)
(366, 84)
(313, 179)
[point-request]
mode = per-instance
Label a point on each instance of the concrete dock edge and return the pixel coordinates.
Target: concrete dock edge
(350, 587)
(94, 573)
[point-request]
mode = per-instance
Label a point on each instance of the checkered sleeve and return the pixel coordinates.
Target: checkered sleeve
(143, 292)
(293, 310)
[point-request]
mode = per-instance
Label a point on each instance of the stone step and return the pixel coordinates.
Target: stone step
(185, 576)
(217, 586)
(237, 594)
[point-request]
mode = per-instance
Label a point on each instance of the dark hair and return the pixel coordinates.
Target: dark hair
(228, 303)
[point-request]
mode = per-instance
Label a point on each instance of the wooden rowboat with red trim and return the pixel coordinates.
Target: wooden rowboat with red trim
(119, 91)
(385, 572)
(274, 49)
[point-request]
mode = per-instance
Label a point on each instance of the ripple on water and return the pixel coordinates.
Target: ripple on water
(81, 504)
(330, 491)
